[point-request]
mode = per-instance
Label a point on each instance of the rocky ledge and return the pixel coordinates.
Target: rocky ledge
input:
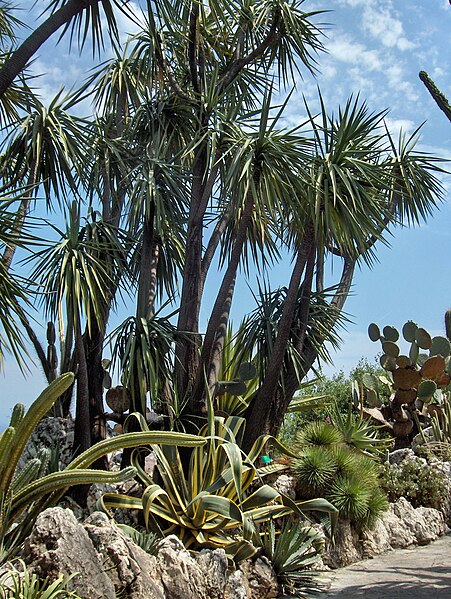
(109, 564)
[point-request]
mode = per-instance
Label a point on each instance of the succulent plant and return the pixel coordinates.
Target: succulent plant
(415, 379)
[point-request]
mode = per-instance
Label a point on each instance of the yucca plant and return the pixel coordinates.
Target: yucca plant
(292, 550)
(148, 541)
(212, 504)
(18, 583)
(24, 494)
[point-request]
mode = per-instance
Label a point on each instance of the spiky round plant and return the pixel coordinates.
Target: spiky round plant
(318, 433)
(377, 504)
(346, 461)
(351, 497)
(350, 463)
(314, 470)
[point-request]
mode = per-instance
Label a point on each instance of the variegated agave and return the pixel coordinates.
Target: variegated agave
(215, 503)
(23, 495)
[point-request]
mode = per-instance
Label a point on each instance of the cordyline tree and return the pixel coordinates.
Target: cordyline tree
(187, 169)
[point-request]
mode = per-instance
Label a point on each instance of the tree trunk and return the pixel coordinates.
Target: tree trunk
(217, 323)
(17, 61)
(187, 351)
(262, 405)
(82, 433)
(94, 351)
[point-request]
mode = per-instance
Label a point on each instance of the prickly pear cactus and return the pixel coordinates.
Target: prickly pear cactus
(419, 378)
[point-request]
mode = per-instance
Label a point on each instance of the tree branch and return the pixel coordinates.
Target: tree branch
(238, 65)
(18, 60)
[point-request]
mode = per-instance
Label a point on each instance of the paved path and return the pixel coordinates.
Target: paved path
(418, 573)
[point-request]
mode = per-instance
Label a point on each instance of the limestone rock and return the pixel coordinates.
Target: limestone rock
(286, 484)
(132, 571)
(52, 433)
(399, 535)
(425, 524)
(213, 565)
(181, 575)
(58, 544)
(261, 578)
(237, 586)
(375, 541)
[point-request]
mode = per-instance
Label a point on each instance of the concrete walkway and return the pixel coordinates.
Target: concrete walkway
(418, 573)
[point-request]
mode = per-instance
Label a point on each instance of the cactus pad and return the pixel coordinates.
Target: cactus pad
(403, 361)
(390, 334)
(423, 339)
(369, 381)
(409, 331)
(118, 399)
(390, 348)
(426, 390)
(388, 362)
(433, 367)
(440, 346)
(374, 332)
(406, 378)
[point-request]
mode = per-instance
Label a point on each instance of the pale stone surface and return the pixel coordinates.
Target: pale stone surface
(261, 578)
(425, 524)
(237, 586)
(110, 563)
(213, 565)
(132, 570)
(375, 541)
(400, 526)
(181, 576)
(51, 433)
(58, 544)
(415, 573)
(286, 484)
(399, 535)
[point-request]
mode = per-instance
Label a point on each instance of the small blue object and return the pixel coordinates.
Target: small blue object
(266, 459)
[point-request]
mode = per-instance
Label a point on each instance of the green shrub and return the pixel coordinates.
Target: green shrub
(351, 496)
(318, 433)
(419, 483)
(314, 470)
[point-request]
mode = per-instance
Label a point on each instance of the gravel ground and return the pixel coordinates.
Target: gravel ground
(417, 573)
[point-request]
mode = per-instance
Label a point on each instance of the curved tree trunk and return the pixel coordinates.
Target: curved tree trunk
(262, 405)
(18, 60)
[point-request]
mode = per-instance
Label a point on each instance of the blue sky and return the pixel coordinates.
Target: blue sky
(375, 48)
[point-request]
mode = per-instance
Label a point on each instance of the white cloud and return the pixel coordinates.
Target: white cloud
(383, 26)
(345, 49)
(396, 126)
(380, 21)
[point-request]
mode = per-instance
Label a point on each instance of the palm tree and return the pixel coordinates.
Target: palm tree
(190, 167)
(357, 191)
(81, 18)
(74, 276)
